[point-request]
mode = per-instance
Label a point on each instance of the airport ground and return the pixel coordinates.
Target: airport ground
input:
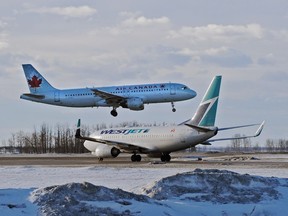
(206, 160)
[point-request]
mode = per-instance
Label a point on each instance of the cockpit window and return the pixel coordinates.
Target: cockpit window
(184, 87)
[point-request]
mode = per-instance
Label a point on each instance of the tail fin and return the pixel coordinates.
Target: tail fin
(36, 82)
(206, 112)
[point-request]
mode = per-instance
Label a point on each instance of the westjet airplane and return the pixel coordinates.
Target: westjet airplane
(161, 141)
(132, 97)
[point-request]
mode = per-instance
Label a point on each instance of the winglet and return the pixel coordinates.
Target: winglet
(258, 132)
(78, 132)
(79, 123)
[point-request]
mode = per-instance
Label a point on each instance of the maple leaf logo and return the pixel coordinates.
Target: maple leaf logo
(34, 82)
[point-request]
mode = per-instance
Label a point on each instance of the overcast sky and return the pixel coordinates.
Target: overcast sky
(99, 43)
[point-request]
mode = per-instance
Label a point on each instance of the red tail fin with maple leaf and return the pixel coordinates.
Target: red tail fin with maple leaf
(36, 82)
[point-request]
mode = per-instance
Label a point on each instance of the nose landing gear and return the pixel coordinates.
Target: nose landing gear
(173, 107)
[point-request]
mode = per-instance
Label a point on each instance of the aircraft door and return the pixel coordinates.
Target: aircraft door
(172, 89)
(56, 96)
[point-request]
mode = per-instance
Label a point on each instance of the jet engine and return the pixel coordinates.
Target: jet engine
(104, 151)
(134, 104)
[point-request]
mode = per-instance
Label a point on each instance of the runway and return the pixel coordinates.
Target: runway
(180, 160)
(23, 174)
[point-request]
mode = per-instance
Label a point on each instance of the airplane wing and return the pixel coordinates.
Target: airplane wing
(110, 98)
(257, 133)
(127, 147)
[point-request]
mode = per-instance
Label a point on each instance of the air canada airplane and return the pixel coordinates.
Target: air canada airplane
(132, 97)
(161, 141)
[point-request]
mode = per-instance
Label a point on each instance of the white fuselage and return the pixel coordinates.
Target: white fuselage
(164, 139)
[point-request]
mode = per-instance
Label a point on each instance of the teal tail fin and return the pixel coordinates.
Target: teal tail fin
(206, 112)
(36, 82)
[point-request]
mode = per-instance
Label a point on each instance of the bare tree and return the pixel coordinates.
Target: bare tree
(236, 143)
(270, 145)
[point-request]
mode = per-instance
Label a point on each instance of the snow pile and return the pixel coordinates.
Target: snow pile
(88, 199)
(201, 192)
(216, 186)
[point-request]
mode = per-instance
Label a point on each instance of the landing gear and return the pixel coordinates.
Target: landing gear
(135, 158)
(165, 158)
(173, 107)
(114, 112)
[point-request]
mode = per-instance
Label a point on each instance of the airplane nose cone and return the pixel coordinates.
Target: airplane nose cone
(192, 93)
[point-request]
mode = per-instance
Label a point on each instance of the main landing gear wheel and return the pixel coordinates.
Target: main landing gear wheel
(114, 112)
(165, 158)
(173, 107)
(135, 158)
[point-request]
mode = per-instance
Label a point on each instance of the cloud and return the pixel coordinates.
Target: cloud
(143, 21)
(222, 56)
(277, 77)
(70, 11)
(136, 65)
(3, 35)
(269, 59)
(219, 32)
(227, 58)
(129, 14)
(3, 44)
(2, 24)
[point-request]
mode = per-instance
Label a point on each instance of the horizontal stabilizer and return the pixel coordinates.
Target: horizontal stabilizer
(37, 96)
(205, 143)
(200, 129)
(241, 126)
(257, 133)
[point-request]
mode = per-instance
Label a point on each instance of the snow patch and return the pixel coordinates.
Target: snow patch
(198, 192)
(216, 186)
(88, 199)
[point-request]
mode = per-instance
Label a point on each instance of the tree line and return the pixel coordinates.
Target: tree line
(57, 139)
(61, 139)
(245, 145)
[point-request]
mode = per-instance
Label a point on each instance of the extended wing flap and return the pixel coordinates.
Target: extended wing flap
(110, 98)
